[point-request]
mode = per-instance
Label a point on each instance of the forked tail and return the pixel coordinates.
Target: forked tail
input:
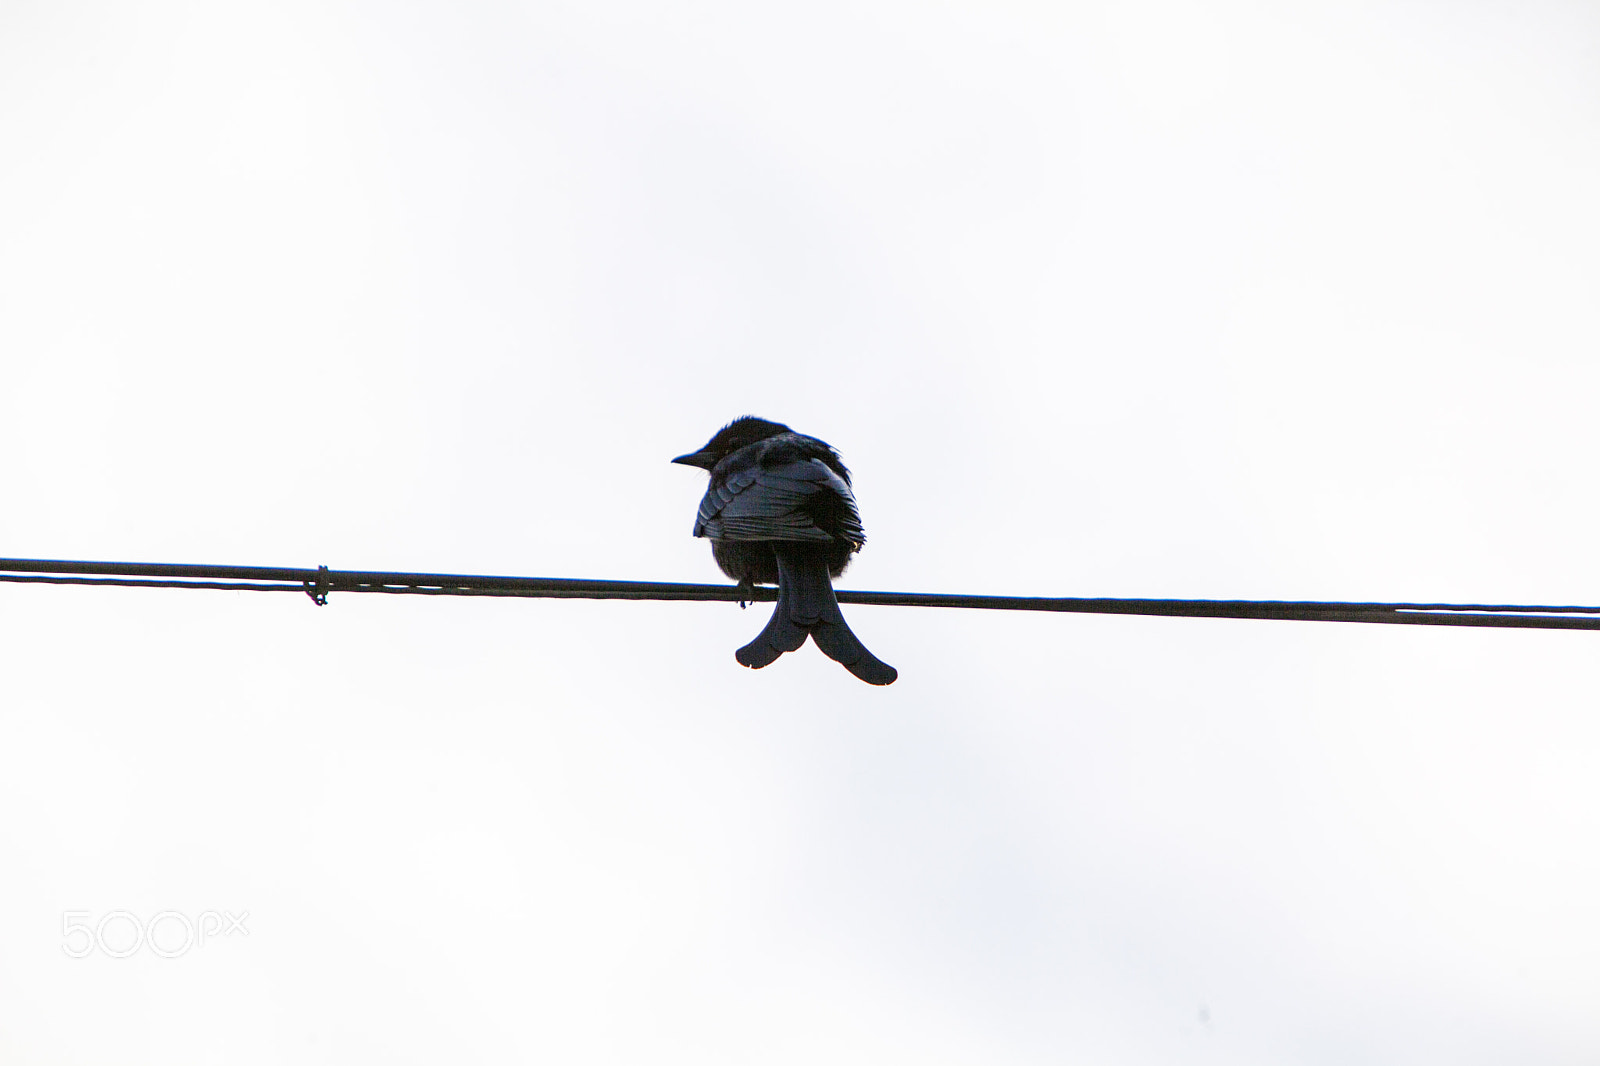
(806, 607)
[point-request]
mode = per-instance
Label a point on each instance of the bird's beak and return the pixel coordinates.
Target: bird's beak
(700, 459)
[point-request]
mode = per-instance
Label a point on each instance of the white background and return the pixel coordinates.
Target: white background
(1279, 300)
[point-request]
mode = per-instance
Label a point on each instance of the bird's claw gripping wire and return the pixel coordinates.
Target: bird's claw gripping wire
(747, 593)
(319, 591)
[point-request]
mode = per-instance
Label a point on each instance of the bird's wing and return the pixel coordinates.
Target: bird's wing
(797, 500)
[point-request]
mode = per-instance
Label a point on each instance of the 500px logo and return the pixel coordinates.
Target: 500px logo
(168, 934)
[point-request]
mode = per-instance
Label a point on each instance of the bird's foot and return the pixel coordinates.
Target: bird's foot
(747, 593)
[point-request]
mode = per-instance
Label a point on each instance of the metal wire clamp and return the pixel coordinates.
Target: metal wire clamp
(319, 591)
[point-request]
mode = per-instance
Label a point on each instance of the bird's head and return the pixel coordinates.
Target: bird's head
(730, 438)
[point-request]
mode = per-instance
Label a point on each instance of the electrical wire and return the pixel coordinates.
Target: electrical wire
(321, 582)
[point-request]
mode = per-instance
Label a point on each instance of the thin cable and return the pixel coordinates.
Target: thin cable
(320, 581)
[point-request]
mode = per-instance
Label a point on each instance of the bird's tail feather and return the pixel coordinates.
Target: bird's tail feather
(806, 606)
(780, 635)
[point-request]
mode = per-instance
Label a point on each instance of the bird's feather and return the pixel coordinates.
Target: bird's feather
(801, 499)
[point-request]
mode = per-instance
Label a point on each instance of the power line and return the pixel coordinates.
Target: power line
(321, 582)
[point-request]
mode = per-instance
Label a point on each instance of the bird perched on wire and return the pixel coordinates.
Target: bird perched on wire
(779, 510)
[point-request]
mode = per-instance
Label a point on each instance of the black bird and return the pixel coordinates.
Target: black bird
(779, 510)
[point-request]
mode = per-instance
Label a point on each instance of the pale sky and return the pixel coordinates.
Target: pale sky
(1236, 300)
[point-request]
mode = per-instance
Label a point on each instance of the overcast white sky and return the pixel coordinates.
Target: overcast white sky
(1280, 300)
